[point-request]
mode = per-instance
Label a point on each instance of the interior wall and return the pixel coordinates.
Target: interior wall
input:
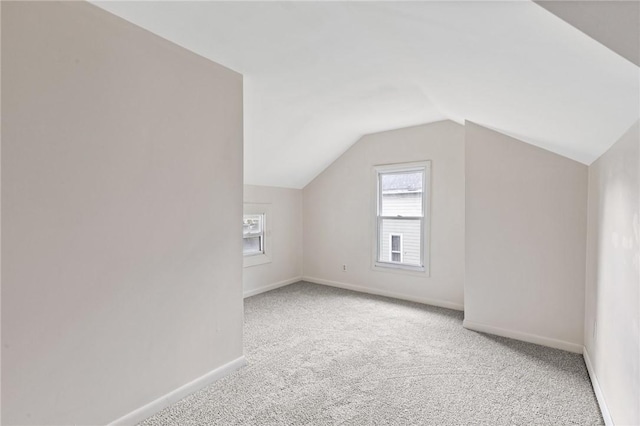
(525, 240)
(612, 320)
(285, 239)
(121, 193)
(338, 216)
(615, 24)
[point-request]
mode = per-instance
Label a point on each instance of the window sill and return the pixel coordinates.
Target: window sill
(255, 260)
(400, 269)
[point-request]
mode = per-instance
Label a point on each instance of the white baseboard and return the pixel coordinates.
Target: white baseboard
(525, 337)
(174, 396)
(606, 415)
(271, 286)
(361, 289)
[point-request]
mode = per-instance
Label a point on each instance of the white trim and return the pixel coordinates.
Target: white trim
(270, 287)
(606, 415)
(525, 337)
(361, 289)
(176, 395)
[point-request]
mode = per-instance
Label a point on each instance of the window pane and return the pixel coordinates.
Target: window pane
(411, 240)
(395, 257)
(252, 245)
(395, 243)
(252, 224)
(401, 194)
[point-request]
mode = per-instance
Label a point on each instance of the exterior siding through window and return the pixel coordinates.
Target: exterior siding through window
(396, 204)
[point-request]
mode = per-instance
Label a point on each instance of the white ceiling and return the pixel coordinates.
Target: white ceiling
(318, 75)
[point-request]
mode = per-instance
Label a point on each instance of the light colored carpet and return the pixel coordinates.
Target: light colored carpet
(320, 355)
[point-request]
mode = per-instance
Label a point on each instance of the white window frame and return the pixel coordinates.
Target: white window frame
(378, 265)
(263, 209)
(260, 235)
(392, 251)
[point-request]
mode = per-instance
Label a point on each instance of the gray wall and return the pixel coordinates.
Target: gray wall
(612, 320)
(121, 195)
(525, 240)
(339, 216)
(615, 24)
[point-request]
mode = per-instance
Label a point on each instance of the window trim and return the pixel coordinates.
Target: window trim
(263, 209)
(383, 266)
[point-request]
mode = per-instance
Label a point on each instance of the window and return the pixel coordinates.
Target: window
(401, 209)
(253, 234)
(256, 234)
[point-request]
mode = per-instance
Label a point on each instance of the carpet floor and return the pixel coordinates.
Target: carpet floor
(319, 355)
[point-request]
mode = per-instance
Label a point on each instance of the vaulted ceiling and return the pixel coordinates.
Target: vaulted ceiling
(318, 75)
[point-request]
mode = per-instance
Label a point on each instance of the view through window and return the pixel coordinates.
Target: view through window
(401, 208)
(253, 234)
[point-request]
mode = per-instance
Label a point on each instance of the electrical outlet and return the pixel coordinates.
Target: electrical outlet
(344, 268)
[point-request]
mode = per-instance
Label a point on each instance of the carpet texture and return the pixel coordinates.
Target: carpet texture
(320, 355)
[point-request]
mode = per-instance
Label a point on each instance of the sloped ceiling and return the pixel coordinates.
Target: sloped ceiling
(318, 75)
